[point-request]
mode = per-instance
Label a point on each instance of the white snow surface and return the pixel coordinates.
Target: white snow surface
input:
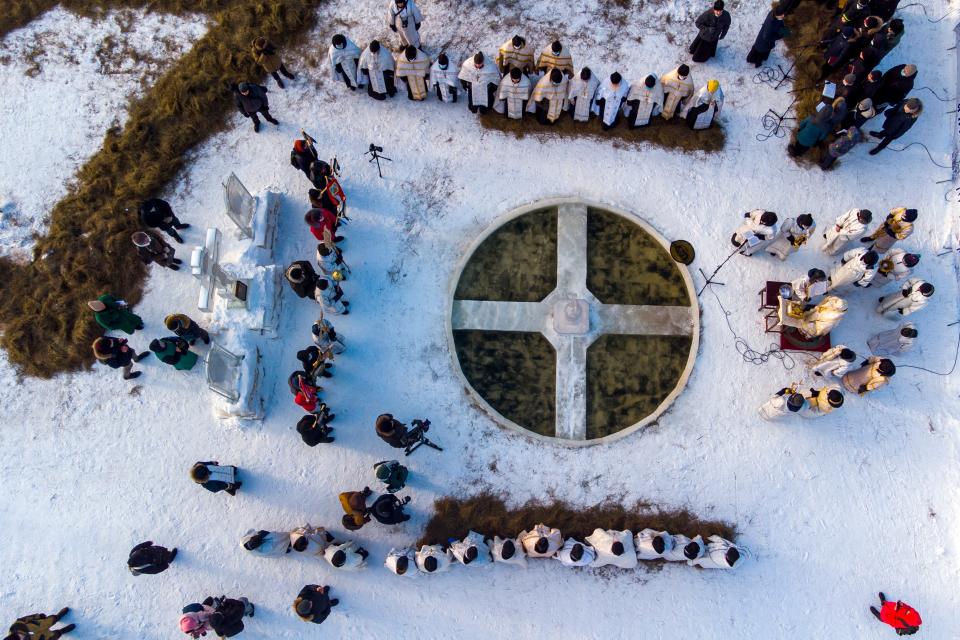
(64, 81)
(831, 510)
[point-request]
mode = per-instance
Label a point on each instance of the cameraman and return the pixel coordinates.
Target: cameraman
(391, 430)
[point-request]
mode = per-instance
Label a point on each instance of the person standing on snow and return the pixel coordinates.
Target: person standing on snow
(175, 352)
(835, 362)
(376, 70)
(265, 54)
(313, 603)
(404, 19)
(893, 341)
(820, 402)
(580, 94)
(400, 561)
(811, 131)
(480, 79)
(720, 554)
(613, 547)
(266, 544)
(148, 558)
(757, 231)
(392, 474)
(608, 100)
(821, 319)
(809, 286)
(846, 227)
(644, 101)
(413, 66)
(549, 97)
(310, 540)
(443, 78)
(857, 267)
(348, 556)
(355, 507)
(541, 542)
(897, 121)
(555, 56)
(388, 509)
(701, 110)
(152, 248)
(873, 373)
(898, 225)
(303, 155)
(896, 265)
(326, 337)
(214, 478)
(899, 615)
(156, 213)
(841, 146)
(713, 25)
(251, 99)
(471, 551)
(515, 54)
(784, 402)
(115, 353)
(314, 428)
(433, 558)
(912, 297)
(677, 89)
(772, 30)
(793, 234)
(574, 553)
(39, 626)
(114, 315)
(344, 55)
(508, 551)
(513, 94)
(652, 544)
(186, 328)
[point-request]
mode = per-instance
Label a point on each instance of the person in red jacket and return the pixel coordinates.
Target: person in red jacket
(306, 397)
(899, 615)
(321, 221)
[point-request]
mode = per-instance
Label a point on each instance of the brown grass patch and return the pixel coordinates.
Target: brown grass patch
(488, 514)
(47, 328)
(660, 133)
(807, 23)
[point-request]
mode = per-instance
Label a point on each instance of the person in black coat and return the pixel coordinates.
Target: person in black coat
(227, 619)
(896, 83)
(314, 427)
(838, 50)
(314, 362)
(157, 214)
(302, 278)
(303, 155)
(214, 477)
(772, 30)
(713, 25)
(318, 173)
(388, 509)
(252, 99)
(391, 430)
(148, 558)
(869, 87)
(898, 120)
(313, 603)
(115, 353)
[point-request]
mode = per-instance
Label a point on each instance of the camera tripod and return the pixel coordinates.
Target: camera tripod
(374, 154)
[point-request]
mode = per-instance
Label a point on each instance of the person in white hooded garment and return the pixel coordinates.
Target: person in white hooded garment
(893, 342)
(513, 94)
(610, 96)
(613, 547)
(443, 76)
(402, 562)
(757, 231)
(433, 558)
(847, 226)
(685, 549)
(480, 78)
(702, 109)
(652, 544)
(508, 551)
(375, 70)
(834, 362)
(347, 556)
(785, 402)
(720, 554)
(856, 268)
(472, 550)
(404, 19)
(310, 540)
(644, 101)
(574, 553)
(266, 544)
(912, 296)
(541, 542)
(580, 94)
(344, 56)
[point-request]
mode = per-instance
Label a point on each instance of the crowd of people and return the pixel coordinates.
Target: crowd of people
(814, 306)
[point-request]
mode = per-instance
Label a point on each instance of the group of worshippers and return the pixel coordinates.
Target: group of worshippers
(604, 547)
(856, 92)
(520, 80)
(810, 304)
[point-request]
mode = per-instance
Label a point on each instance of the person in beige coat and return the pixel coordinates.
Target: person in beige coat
(820, 320)
(677, 88)
(897, 226)
(873, 373)
(793, 234)
(265, 54)
(555, 56)
(897, 265)
(515, 53)
(541, 542)
(846, 227)
(549, 97)
(820, 402)
(413, 66)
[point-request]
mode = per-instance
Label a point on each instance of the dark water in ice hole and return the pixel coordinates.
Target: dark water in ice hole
(627, 376)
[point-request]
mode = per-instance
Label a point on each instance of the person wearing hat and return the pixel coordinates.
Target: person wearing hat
(549, 97)
(893, 341)
(355, 507)
(613, 547)
(228, 613)
(897, 121)
(508, 551)
(793, 234)
(873, 373)
(433, 558)
(152, 248)
(809, 286)
(677, 88)
(756, 232)
(214, 477)
(822, 318)
(472, 551)
(610, 96)
(835, 362)
(313, 603)
(330, 295)
(157, 214)
(513, 94)
(838, 49)
(652, 544)
(404, 19)
(480, 79)
(388, 509)
(413, 66)
(574, 553)
(704, 107)
(555, 56)
(845, 228)
(175, 352)
(515, 53)
(401, 561)
(720, 554)
(375, 69)
(912, 297)
(330, 261)
(685, 549)
(541, 541)
(812, 130)
(443, 78)
(150, 559)
(326, 337)
(114, 315)
(266, 544)
(713, 25)
(251, 99)
(856, 267)
(303, 279)
(115, 353)
(771, 30)
(186, 328)
(784, 402)
(39, 626)
(898, 225)
(310, 540)
(897, 264)
(644, 101)
(392, 474)
(344, 55)
(347, 556)
(820, 402)
(314, 428)
(265, 54)
(899, 615)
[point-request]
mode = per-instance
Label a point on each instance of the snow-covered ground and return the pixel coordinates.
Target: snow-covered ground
(831, 510)
(64, 81)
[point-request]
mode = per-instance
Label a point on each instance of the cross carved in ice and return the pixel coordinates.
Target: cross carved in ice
(572, 318)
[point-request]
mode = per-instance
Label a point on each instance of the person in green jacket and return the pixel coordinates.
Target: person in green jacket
(391, 473)
(113, 314)
(812, 131)
(174, 351)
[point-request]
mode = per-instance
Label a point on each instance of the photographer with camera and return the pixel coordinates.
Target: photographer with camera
(396, 434)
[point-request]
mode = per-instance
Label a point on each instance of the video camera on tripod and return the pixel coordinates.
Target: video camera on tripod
(374, 153)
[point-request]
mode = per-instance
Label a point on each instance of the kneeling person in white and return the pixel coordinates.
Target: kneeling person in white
(472, 550)
(685, 548)
(721, 554)
(652, 545)
(400, 561)
(613, 547)
(541, 542)
(433, 558)
(576, 554)
(508, 551)
(348, 556)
